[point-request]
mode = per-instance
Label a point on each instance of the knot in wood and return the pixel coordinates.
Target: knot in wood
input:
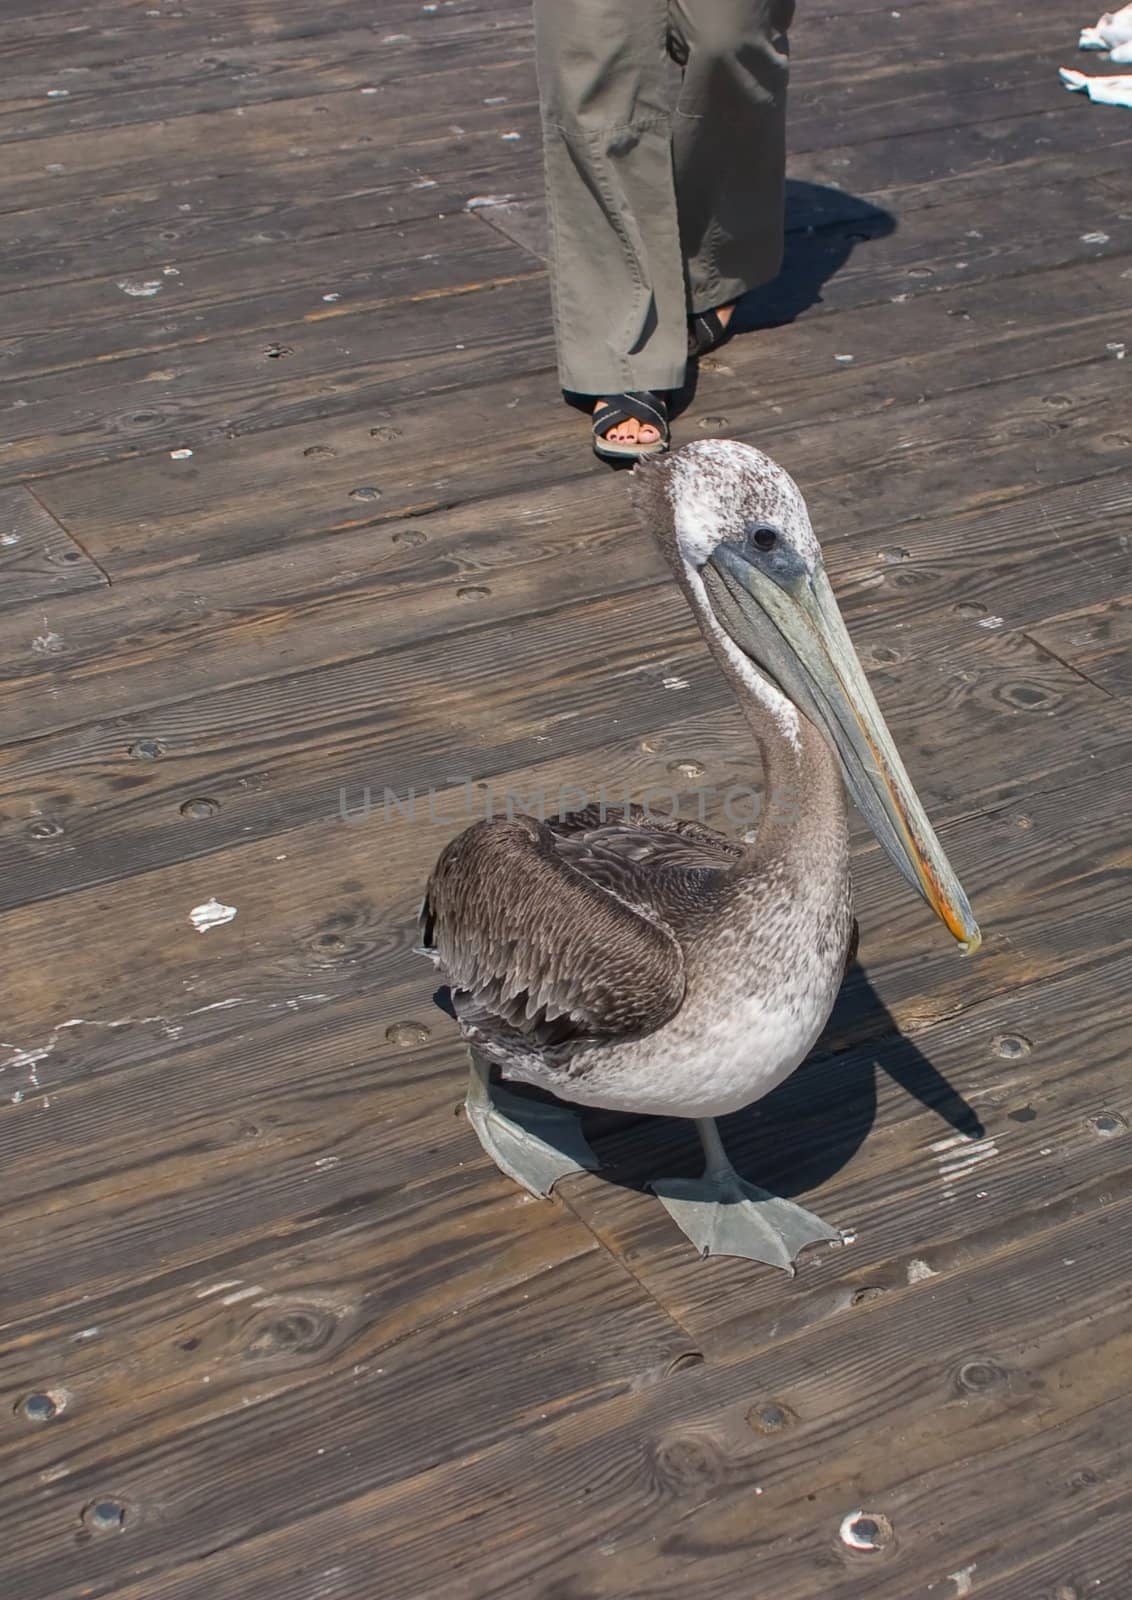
(292, 1331)
(980, 1376)
(687, 1461)
(769, 1417)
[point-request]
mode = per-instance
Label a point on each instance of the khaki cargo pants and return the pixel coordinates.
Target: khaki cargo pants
(664, 188)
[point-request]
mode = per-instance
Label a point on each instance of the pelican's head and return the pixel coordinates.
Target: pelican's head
(735, 528)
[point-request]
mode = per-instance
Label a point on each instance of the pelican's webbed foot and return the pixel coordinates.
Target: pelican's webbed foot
(532, 1141)
(723, 1215)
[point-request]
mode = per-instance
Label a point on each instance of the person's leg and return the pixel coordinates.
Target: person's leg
(616, 270)
(729, 143)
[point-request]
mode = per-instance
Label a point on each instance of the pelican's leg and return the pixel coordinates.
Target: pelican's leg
(725, 1216)
(532, 1141)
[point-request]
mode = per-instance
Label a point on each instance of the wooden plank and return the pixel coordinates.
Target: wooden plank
(415, 74)
(1070, 1552)
(324, 1101)
(290, 1046)
(325, 1339)
(250, 65)
(1095, 641)
(1084, 210)
(163, 83)
(253, 293)
(397, 713)
(66, 244)
(39, 560)
(94, 37)
(574, 542)
(219, 492)
(878, 378)
(679, 1464)
(350, 940)
(303, 1059)
(910, 60)
(933, 1151)
(307, 1233)
(192, 391)
(323, 941)
(26, 21)
(946, 1515)
(208, 388)
(211, 71)
(264, 137)
(331, 1321)
(203, 215)
(859, 257)
(210, 213)
(196, 219)
(915, 171)
(255, 138)
(332, 362)
(300, 937)
(98, 38)
(207, 214)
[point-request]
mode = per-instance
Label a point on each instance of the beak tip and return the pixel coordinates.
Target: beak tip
(967, 933)
(954, 911)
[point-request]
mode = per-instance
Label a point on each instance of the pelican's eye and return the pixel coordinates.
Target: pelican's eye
(765, 538)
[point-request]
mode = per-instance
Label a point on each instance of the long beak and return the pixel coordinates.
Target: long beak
(807, 651)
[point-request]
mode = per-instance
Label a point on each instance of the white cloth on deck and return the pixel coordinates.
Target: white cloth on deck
(1104, 91)
(1111, 30)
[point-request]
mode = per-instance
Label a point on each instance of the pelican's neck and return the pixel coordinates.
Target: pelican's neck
(803, 805)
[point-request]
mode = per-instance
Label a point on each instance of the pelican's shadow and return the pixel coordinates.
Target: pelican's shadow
(804, 1132)
(807, 1129)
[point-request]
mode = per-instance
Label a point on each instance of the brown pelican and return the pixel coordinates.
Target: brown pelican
(657, 966)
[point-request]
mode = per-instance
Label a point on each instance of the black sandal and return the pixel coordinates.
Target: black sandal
(641, 405)
(706, 332)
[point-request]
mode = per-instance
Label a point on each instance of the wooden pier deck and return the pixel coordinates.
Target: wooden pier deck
(289, 508)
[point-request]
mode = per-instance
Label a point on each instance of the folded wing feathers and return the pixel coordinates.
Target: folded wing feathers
(538, 927)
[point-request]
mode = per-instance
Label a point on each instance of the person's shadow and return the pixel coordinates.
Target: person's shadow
(823, 228)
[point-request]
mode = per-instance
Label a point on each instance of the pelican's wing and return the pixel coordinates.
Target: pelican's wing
(665, 859)
(526, 937)
(632, 834)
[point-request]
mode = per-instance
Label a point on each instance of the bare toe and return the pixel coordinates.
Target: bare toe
(628, 430)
